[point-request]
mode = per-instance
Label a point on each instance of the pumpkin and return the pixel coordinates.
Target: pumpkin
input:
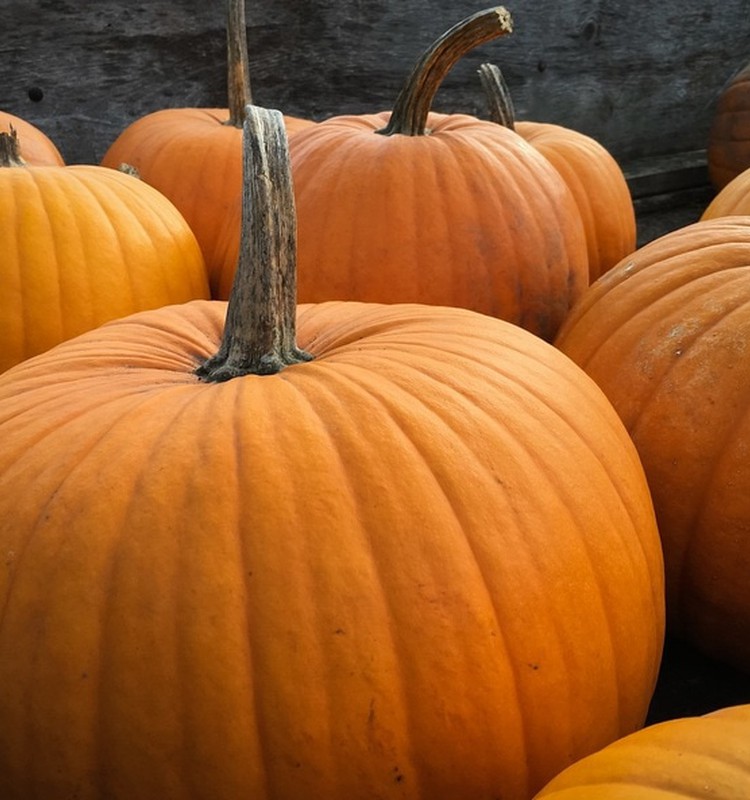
(590, 171)
(728, 148)
(469, 215)
(35, 146)
(80, 245)
(690, 758)
(193, 155)
(664, 334)
(732, 200)
(337, 550)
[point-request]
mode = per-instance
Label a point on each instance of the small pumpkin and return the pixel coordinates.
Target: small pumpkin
(35, 146)
(728, 148)
(590, 171)
(80, 245)
(691, 758)
(331, 551)
(193, 155)
(469, 215)
(665, 334)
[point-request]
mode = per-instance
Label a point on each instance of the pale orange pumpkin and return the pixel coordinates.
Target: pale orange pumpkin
(691, 758)
(193, 155)
(80, 245)
(35, 146)
(444, 209)
(423, 564)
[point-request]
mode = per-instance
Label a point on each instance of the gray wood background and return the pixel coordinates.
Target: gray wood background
(640, 77)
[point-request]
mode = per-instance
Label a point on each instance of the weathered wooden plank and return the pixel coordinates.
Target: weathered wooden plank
(665, 174)
(640, 77)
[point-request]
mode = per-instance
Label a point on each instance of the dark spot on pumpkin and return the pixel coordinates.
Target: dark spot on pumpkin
(533, 666)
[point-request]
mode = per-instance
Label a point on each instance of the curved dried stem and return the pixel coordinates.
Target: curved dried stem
(499, 100)
(412, 106)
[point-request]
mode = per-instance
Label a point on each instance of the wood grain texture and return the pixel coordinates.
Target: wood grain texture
(640, 77)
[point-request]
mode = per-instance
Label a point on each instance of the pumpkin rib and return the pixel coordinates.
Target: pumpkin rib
(158, 220)
(175, 659)
(106, 198)
(591, 560)
(96, 214)
(38, 183)
(393, 409)
(723, 451)
(367, 534)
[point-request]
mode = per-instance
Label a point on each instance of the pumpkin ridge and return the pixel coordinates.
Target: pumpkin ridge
(517, 441)
(722, 451)
(365, 534)
(43, 182)
(350, 375)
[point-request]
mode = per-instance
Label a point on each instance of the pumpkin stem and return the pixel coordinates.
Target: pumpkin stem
(499, 101)
(238, 70)
(10, 149)
(409, 114)
(260, 330)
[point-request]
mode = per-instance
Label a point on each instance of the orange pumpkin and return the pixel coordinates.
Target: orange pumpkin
(691, 758)
(665, 333)
(592, 174)
(469, 215)
(80, 245)
(35, 146)
(423, 564)
(193, 155)
(732, 200)
(728, 149)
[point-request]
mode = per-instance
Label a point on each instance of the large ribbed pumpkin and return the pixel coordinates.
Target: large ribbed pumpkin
(35, 146)
(728, 148)
(691, 758)
(444, 209)
(665, 334)
(422, 565)
(590, 171)
(80, 245)
(194, 155)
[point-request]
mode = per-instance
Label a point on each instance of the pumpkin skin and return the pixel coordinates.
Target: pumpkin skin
(664, 334)
(423, 565)
(728, 148)
(193, 157)
(35, 146)
(732, 200)
(81, 245)
(598, 185)
(682, 759)
(450, 218)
